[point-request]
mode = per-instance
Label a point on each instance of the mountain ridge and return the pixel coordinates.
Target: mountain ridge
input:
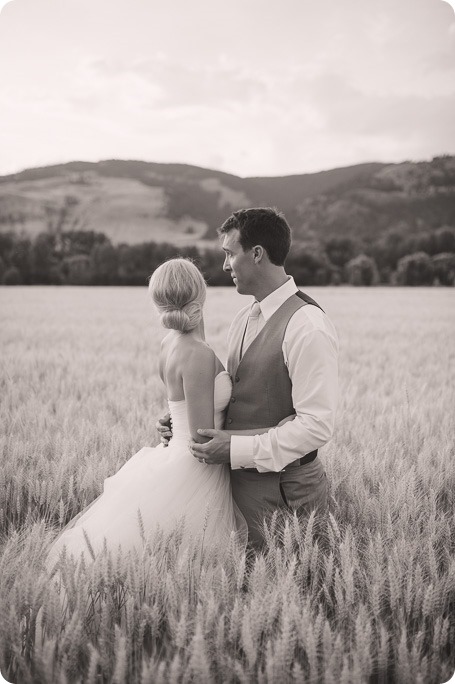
(134, 201)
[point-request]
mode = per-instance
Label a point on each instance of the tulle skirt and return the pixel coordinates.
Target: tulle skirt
(158, 487)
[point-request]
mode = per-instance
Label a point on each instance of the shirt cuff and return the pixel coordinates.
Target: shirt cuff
(242, 452)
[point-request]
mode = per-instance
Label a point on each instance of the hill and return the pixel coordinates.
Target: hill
(133, 202)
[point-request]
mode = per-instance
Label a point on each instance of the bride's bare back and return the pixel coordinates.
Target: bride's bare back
(188, 367)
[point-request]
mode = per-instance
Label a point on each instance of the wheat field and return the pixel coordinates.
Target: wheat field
(366, 594)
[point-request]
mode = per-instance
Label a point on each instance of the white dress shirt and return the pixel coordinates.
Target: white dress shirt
(310, 352)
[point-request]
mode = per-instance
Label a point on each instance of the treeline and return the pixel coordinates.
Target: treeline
(79, 257)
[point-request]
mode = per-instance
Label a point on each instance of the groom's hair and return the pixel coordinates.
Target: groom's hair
(263, 226)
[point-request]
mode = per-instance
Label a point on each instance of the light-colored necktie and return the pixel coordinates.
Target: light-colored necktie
(252, 326)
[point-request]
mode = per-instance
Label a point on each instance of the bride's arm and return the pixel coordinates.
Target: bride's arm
(259, 431)
(198, 387)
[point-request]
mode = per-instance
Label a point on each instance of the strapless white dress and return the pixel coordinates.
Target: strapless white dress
(167, 485)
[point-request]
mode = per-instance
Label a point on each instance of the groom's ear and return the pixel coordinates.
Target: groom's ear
(258, 253)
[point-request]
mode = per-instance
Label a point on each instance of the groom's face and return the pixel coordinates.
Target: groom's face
(239, 264)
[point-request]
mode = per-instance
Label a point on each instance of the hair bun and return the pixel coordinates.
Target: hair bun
(176, 319)
(185, 319)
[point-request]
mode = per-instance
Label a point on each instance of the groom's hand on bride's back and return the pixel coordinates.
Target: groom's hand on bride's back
(214, 452)
(163, 426)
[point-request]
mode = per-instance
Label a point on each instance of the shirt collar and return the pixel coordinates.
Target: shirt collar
(275, 299)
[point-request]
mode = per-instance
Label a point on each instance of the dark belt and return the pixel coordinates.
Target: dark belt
(300, 461)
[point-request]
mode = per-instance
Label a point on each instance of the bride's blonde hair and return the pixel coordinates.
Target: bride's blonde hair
(178, 291)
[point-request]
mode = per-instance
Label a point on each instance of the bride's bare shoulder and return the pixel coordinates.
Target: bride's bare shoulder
(185, 354)
(196, 350)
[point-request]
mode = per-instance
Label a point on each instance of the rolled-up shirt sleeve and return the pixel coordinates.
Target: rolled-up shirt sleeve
(312, 359)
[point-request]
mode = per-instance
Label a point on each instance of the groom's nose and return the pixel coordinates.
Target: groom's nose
(226, 265)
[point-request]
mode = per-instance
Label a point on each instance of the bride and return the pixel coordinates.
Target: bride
(158, 485)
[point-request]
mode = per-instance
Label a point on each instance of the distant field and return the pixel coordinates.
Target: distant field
(373, 602)
(124, 209)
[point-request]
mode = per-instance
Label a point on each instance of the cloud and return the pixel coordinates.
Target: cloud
(346, 109)
(175, 84)
(264, 89)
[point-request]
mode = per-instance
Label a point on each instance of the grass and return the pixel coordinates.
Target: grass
(364, 595)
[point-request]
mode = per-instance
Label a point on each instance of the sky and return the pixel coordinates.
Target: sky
(250, 87)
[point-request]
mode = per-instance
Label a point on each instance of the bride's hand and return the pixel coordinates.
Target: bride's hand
(163, 426)
(286, 420)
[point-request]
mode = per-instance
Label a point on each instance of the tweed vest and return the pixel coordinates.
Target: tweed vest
(262, 389)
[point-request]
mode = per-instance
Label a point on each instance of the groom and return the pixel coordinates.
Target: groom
(282, 358)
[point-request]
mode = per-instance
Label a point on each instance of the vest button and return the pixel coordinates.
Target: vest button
(233, 400)
(229, 420)
(237, 379)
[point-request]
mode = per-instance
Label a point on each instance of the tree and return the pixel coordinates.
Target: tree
(212, 268)
(77, 269)
(7, 242)
(445, 239)
(362, 270)
(21, 257)
(444, 268)
(74, 242)
(389, 248)
(44, 259)
(336, 276)
(340, 250)
(137, 262)
(12, 276)
(308, 266)
(105, 261)
(64, 213)
(432, 242)
(415, 269)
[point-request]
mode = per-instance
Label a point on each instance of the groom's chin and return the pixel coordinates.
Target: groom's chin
(238, 286)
